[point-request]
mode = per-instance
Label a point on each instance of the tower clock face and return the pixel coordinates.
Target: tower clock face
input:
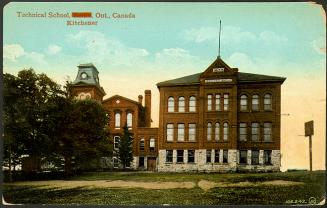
(83, 75)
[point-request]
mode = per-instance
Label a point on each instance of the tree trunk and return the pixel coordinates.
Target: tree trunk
(10, 173)
(68, 166)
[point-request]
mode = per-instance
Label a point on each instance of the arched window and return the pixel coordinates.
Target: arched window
(209, 131)
(244, 103)
(171, 104)
(129, 120)
(218, 102)
(226, 130)
(117, 120)
(82, 96)
(267, 102)
(217, 131)
(181, 104)
(192, 104)
(255, 102)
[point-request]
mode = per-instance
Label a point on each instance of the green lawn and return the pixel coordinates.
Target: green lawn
(314, 186)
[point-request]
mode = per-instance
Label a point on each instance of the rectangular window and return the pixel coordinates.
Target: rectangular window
(208, 156)
(191, 132)
(142, 144)
(226, 102)
(225, 156)
(180, 131)
(209, 102)
(192, 104)
(267, 132)
(243, 156)
(255, 157)
(115, 162)
(141, 162)
(255, 102)
(255, 132)
(180, 156)
(169, 156)
(267, 157)
(116, 142)
(218, 102)
(170, 132)
(217, 156)
(243, 132)
(190, 158)
(152, 143)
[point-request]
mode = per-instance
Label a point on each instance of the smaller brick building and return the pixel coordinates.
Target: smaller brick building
(122, 111)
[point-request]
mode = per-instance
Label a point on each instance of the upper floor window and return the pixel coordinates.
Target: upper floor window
(181, 104)
(226, 131)
(152, 143)
(129, 120)
(255, 132)
(217, 131)
(209, 131)
(171, 104)
(180, 136)
(170, 132)
(192, 104)
(255, 102)
(243, 132)
(116, 142)
(267, 137)
(218, 102)
(191, 132)
(244, 103)
(117, 120)
(142, 144)
(226, 102)
(267, 102)
(209, 102)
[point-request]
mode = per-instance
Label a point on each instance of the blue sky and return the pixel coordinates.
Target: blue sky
(169, 40)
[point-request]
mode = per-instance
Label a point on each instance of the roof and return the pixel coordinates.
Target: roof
(121, 97)
(242, 77)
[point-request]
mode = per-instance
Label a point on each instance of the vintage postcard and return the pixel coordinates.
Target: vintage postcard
(164, 103)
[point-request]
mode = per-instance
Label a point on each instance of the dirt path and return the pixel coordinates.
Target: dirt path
(203, 184)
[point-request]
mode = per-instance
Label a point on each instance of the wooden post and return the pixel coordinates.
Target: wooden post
(310, 152)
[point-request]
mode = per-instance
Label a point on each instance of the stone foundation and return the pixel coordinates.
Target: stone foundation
(200, 164)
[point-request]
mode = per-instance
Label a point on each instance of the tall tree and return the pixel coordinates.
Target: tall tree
(125, 153)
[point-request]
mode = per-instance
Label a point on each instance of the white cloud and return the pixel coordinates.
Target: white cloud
(13, 51)
(104, 49)
(242, 61)
(36, 57)
(269, 37)
(200, 35)
(53, 49)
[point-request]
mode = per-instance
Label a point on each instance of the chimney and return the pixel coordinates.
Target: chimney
(140, 99)
(147, 105)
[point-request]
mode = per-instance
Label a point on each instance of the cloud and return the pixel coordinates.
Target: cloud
(200, 35)
(13, 51)
(269, 37)
(242, 60)
(103, 49)
(53, 49)
(36, 57)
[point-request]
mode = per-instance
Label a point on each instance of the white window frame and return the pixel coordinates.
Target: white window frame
(117, 120)
(225, 131)
(192, 132)
(129, 120)
(180, 132)
(171, 104)
(217, 131)
(267, 102)
(243, 131)
(255, 102)
(209, 131)
(192, 104)
(267, 132)
(181, 104)
(255, 131)
(170, 132)
(209, 102)
(226, 102)
(244, 103)
(218, 104)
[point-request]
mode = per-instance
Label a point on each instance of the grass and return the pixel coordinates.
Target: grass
(314, 186)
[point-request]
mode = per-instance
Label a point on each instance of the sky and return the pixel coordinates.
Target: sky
(170, 40)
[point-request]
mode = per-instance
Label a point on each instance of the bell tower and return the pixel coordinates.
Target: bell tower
(86, 84)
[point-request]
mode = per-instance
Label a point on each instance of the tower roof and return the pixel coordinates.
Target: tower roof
(88, 75)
